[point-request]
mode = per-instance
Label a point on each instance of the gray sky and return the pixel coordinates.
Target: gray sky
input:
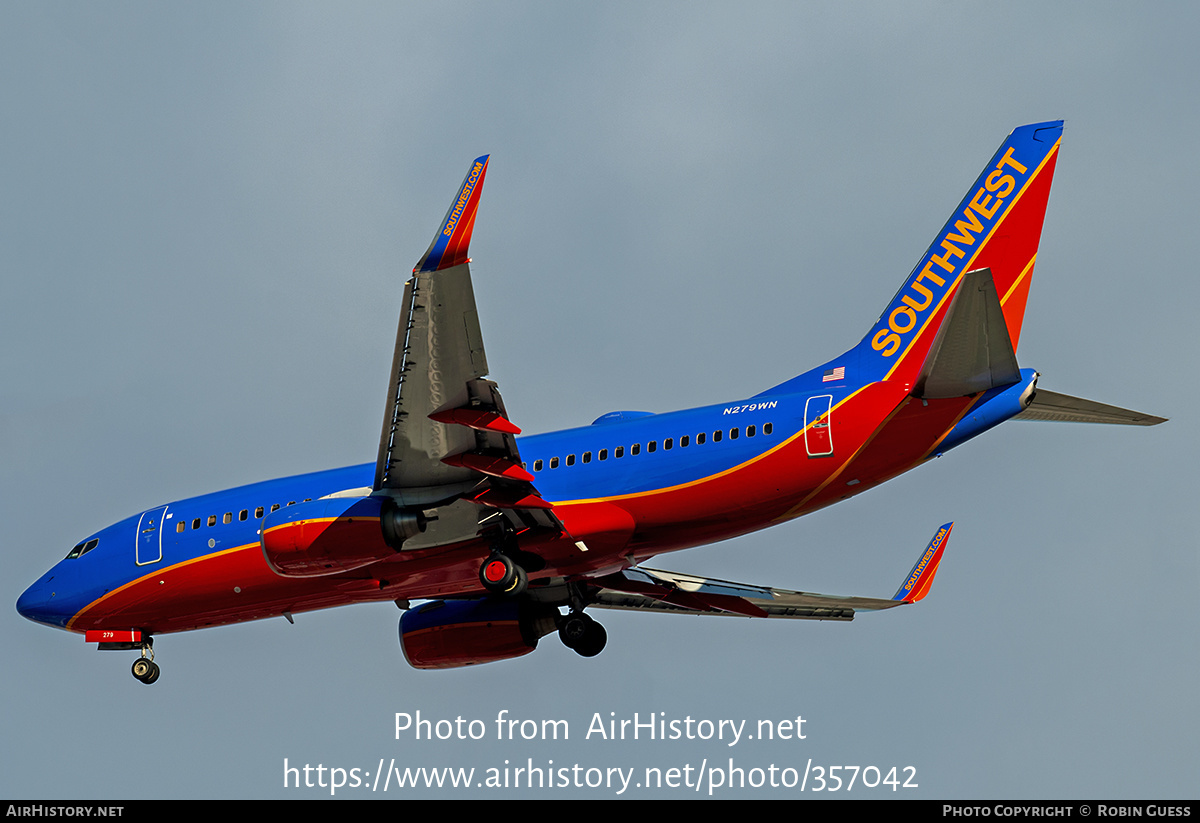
(210, 211)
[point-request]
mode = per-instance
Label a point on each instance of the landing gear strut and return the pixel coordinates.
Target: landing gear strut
(582, 634)
(144, 668)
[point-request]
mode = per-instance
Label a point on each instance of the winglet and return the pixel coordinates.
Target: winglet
(917, 584)
(449, 246)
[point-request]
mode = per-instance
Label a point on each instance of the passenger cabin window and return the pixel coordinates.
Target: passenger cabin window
(243, 514)
(668, 443)
(767, 428)
(570, 460)
(733, 434)
(180, 526)
(684, 441)
(700, 439)
(537, 465)
(196, 523)
(717, 436)
(228, 518)
(587, 457)
(749, 431)
(604, 454)
(554, 462)
(619, 451)
(274, 507)
(652, 446)
(635, 449)
(212, 520)
(258, 512)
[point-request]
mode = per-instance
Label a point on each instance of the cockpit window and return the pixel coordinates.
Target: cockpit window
(83, 548)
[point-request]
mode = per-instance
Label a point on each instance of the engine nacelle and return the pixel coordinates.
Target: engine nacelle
(400, 524)
(328, 536)
(446, 634)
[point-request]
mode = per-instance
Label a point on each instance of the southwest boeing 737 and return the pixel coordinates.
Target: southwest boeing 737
(508, 538)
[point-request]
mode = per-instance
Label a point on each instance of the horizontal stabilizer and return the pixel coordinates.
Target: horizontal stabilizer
(972, 351)
(1064, 408)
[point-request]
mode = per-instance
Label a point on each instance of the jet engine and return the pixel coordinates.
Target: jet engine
(334, 535)
(446, 634)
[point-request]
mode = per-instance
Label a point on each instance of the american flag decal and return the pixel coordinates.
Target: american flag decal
(834, 374)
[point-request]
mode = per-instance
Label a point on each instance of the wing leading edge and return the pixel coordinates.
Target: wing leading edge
(447, 442)
(652, 590)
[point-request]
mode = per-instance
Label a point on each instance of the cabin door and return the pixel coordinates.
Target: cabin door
(818, 437)
(149, 536)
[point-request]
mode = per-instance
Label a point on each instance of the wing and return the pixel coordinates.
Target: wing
(447, 443)
(652, 590)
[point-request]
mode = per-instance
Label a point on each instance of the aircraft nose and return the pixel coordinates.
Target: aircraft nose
(38, 603)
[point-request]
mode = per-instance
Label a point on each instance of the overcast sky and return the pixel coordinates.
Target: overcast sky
(209, 212)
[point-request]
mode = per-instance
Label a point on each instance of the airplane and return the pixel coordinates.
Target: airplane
(488, 541)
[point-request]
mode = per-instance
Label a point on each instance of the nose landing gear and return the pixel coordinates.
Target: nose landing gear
(144, 668)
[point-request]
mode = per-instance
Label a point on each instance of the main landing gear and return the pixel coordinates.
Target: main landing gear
(503, 577)
(144, 668)
(500, 575)
(582, 634)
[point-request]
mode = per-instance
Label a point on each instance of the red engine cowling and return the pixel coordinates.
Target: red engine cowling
(446, 634)
(326, 536)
